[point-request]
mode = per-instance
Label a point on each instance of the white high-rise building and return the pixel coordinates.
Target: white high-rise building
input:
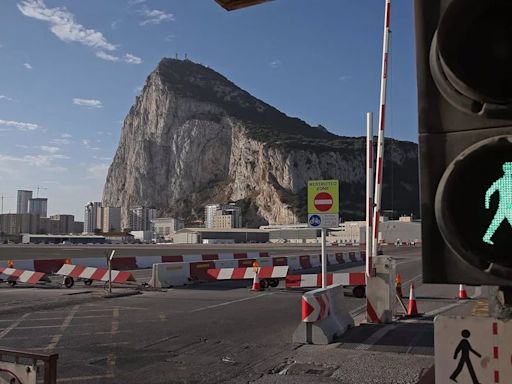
(141, 218)
(38, 206)
(22, 201)
(210, 211)
(91, 217)
(223, 216)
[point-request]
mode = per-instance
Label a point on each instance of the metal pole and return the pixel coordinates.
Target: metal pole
(369, 193)
(110, 271)
(380, 142)
(324, 260)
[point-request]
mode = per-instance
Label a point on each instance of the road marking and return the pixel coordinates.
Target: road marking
(417, 277)
(114, 330)
(230, 302)
(409, 261)
(60, 318)
(84, 378)
(65, 324)
(376, 337)
(14, 325)
(115, 321)
(162, 317)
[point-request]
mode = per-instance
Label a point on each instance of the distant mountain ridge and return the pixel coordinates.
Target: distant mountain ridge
(193, 137)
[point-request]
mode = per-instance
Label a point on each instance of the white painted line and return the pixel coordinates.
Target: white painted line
(14, 325)
(65, 324)
(230, 302)
(409, 261)
(60, 318)
(85, 378)
(376, 337)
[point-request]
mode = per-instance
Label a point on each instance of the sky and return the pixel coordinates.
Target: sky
(71, 69)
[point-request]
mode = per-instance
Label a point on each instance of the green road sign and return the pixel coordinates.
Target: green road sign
(323, 197)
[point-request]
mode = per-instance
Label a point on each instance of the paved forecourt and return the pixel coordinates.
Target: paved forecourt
(212, 333)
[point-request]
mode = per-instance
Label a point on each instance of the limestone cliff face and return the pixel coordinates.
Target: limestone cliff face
(194, 138)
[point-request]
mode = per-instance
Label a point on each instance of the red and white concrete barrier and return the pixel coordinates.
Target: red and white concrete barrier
(315, 308)
(324, 316)
(20, 275)
(315, 280)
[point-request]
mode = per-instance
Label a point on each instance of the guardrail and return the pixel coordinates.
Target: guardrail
(49, 362)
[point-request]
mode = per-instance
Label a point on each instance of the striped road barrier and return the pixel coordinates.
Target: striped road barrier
(325, 316)
(315, 280)
(13, 276)
(90, 274)
(248, 273)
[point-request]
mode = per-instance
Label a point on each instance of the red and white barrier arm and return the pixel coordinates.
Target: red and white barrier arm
(89, 273)
(20, 275)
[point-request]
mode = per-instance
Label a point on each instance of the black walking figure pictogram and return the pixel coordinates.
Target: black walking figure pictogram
(464, 348)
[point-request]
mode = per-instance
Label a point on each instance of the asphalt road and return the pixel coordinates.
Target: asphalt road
(216, 333)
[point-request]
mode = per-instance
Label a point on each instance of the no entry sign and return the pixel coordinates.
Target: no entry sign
(323, 196)
(323, 201)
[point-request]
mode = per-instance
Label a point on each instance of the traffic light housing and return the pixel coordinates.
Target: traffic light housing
(464, 71)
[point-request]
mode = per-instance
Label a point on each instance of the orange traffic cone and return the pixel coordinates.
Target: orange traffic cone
(463, 295)
(256, 285)
(412, 310)
(398, 286)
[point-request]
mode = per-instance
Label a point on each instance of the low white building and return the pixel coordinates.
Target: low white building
(165, 227)
(354, 232)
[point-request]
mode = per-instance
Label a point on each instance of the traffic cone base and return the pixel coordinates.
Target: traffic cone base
(256, 285)
(463, 295)
(412, 309)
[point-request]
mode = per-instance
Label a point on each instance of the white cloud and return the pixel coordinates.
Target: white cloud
(20, 126)
(31, 160)
(343, 78)
(63, 140)
(6, 98)
(169, 38)
(91, 103)
(47, 148)
(114, 24)
(275, 64)
(105, 56)
(135, 2)
(64, 26)
(98, 171)
(131, 59)
(100, 158)
(138, 89)
(87, 144)
(155, 16)
(60, 141)
(27, 65)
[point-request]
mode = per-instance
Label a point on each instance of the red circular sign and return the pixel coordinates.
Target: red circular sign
(323, 201)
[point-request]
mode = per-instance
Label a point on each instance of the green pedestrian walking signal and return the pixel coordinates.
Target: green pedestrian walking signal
(473, 212)
(504, 187)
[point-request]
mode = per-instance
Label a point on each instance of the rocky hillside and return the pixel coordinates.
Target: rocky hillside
(193, 138)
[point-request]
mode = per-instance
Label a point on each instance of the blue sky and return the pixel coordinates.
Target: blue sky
(70, 71)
